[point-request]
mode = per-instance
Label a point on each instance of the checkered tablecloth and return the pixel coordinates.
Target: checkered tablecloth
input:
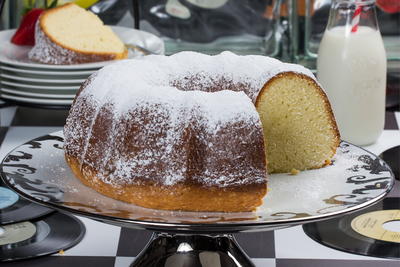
(107, 245)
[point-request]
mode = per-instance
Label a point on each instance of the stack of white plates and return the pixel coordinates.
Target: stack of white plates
(24, 81)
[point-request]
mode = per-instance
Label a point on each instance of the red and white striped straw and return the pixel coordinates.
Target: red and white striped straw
(356, 19)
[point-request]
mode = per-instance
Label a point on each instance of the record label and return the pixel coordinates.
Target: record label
(17, 232)
(39, 237)
(371, 225)
(7, 197)
(362, 232)
(14, 208)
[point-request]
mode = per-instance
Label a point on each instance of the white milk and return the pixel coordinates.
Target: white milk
(352, 69)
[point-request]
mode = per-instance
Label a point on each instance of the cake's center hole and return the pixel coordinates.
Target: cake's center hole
(393, 226)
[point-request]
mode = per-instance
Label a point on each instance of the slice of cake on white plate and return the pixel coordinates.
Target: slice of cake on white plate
(69, 34)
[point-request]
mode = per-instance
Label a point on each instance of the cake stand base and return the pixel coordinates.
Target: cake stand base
(178, 250)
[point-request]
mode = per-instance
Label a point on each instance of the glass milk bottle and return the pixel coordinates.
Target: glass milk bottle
(351, 66)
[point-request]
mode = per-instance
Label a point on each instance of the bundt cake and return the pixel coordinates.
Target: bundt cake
(69, 34)
(187, 132)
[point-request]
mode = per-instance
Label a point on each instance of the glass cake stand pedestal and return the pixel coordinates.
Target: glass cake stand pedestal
(356, 179)
(174, 250)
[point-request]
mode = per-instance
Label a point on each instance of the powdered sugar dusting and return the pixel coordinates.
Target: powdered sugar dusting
(197, 70)
(48, 52)
(174, 119)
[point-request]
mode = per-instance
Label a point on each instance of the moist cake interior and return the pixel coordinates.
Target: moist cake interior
(86, 34)
(296, 126)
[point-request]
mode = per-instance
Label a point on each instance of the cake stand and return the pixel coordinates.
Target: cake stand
(356, 179)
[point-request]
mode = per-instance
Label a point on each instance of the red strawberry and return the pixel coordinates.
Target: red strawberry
(25, 34)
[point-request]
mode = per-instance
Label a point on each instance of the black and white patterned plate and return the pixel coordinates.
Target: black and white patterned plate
(356, 178)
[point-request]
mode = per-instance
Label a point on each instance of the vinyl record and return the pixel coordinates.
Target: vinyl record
(361, 232)
(15, 209)
(34, 238)
(392, 158)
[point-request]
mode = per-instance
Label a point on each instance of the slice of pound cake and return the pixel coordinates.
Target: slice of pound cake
(69, 34)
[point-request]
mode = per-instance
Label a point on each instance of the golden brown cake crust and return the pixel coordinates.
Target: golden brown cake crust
(50, 51)
(185, 197)
(126, 144)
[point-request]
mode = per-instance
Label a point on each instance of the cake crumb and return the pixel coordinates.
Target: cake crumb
(294, 171)
(328, 162)
(61, 252)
